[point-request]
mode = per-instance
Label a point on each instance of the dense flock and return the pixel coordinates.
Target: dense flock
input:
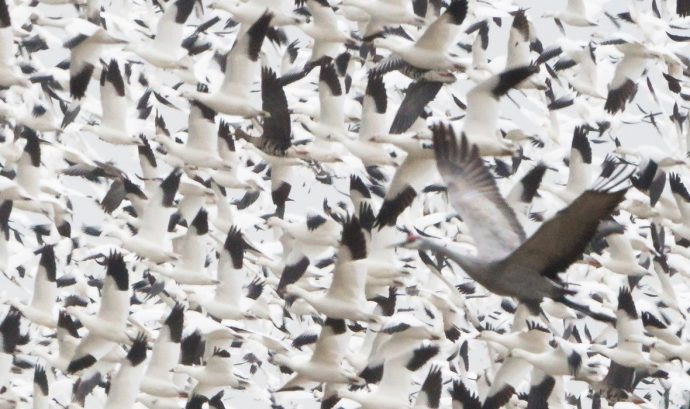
(382, 204)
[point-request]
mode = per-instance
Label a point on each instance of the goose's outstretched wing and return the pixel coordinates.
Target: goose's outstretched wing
(560, 242)
(475, 196)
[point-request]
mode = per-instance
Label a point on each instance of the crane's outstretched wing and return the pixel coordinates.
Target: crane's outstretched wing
(475, 196)
(560, 242)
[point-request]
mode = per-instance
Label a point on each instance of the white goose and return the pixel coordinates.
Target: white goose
(345, 297)
(324, 365)
(113, 127)
(216, 373)
(158, 379)
(42, 310)
(190, 268)
(124, 386)
(481, 122)
(396, 382)
(165, 51)
(108, 328)
(431, 50)
(9, 75)
(151, 239)
(233, 97)
(227, 302)
(201, 148)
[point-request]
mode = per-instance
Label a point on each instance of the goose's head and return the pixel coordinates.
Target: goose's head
(414, 242)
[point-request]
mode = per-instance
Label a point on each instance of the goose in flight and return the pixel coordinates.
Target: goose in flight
(165, 50)
(108, 327)
(431, 50)
(526, 269)
(481, 122)
(233, 97)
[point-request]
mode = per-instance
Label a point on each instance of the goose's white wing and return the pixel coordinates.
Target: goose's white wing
(6, 47)
(202, 133)
(45, 287)
(331, 98)
(620, 248)
(114, 303)
(576, 7)
(171, 27)
(329, 347)
(242, 60)
(113, 98)
(441, 34)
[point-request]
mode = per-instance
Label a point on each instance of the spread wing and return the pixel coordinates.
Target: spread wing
(475, 196)
(561, 241)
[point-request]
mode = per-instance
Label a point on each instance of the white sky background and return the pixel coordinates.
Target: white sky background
(527, 116)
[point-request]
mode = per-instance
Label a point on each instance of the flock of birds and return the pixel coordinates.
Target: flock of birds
(345, 203)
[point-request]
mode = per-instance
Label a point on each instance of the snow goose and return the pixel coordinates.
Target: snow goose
(233, 175)
(233, 97)
(431, 50)
(430, 394)
(682, 197)
(583, 60)
(325, 30)
(373, 122)
(248, 13)
(151, 241)
(331, 123)
(217, 372)
(324, 365)
(85, 50)
(564, 359)
(158, 379)
(629, 328)
(579, 168)
(8, 73)
(165, 50)
(191, 248)
(108, 327)
(396, 375)
(345, 297)
(31, 178)
(462, 168)
(42, 310)
(574, 14)
(401, 334)
(409, 179)
(481, 120)
(620, 257)
(384, 13)
(113, 127)
(124, 386)
(67, 341)
(275, 142)
(316, 229)
(41, 389)
(623, 86)
(227, 302)
(201, 148)
(519, 41)
(10, 338)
